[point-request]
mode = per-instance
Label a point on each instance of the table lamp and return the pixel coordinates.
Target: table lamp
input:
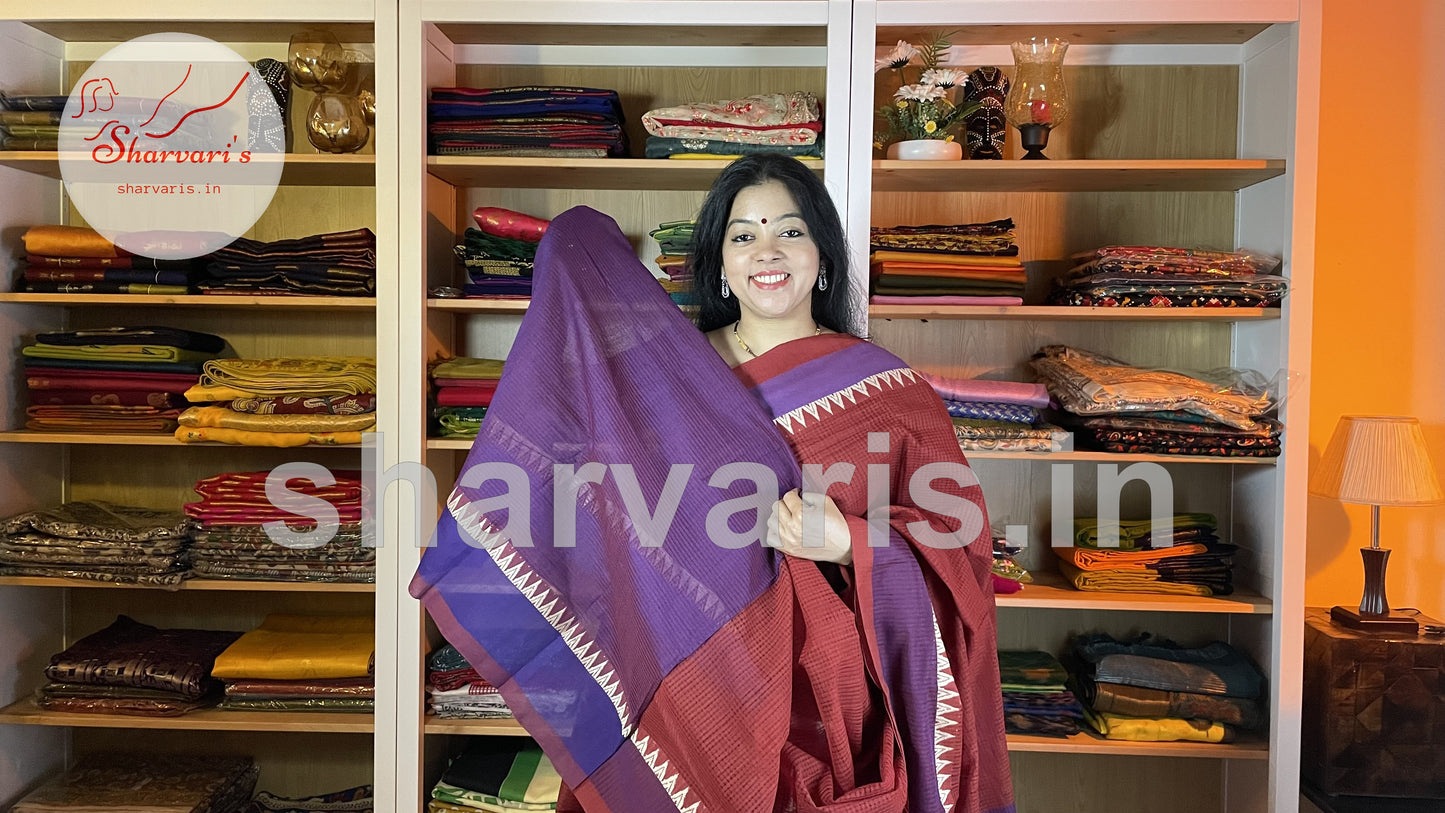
(1376, 460)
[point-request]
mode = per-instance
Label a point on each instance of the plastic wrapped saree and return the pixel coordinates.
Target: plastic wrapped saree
(661, 667)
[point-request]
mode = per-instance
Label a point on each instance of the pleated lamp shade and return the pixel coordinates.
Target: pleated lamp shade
(1377, 460)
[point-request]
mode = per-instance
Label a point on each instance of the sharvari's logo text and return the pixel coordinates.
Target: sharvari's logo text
(160, 149)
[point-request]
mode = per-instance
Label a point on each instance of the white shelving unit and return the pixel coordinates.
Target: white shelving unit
(44, 47)
(654, 54)
(1194, 123)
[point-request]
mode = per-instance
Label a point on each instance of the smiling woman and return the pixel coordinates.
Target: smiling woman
(769, 259)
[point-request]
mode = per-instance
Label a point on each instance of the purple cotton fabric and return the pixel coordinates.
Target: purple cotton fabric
(605, 368)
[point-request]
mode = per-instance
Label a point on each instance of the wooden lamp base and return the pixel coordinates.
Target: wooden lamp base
(1394, 624)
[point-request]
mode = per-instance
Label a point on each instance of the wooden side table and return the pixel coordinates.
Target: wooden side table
(1374, 711)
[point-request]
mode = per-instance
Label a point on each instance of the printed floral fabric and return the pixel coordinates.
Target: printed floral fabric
(994, 238)
(102, 521)
(1092, 384)
(129, 653)
(137, 783)
(304, 405)
(761, 110)
(1165, 277)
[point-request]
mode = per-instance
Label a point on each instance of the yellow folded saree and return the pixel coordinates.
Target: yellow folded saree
(1111, 559)
(67, 241)
(114, 352)
(280, 440)
(1127, 581)
(228, 379)
(465, 367)
(224, 418)
(301, 647)
(1156, 729)
(940, 258)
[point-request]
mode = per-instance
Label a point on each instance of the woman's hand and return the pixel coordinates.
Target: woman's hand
(785, 529)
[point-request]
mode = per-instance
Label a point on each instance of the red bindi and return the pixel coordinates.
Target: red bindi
(765, 220)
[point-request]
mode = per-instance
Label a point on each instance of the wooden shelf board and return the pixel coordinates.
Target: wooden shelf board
(696, 36)
(229, 585)
(1085, 743)
(25, 712)
(1111, 457)
(1050, 591)
(1090, 743)
(1076, 33)
(1040, 457)
(579, 173)
(995, 312)
(310, 303)
(121, 439)
(267, 25)
(1059, 313)
(492, 306)
(302, 169)
(493, 728)
(1224, 175)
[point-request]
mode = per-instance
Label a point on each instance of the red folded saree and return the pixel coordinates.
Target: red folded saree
(663, 668)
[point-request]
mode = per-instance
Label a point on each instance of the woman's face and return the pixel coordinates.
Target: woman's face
(769, 256)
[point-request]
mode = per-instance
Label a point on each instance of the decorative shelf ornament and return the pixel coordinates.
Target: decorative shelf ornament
(1037, 100)
(984, 128)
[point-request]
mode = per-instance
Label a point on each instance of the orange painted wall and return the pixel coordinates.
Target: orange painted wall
(1379, 318)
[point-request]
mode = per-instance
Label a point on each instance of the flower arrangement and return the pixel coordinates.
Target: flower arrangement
(921, 109)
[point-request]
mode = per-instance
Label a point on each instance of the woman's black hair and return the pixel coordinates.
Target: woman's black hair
(832, 308)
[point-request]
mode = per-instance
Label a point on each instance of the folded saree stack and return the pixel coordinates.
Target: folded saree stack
(1153, 690)
(1116, 407)
(1035, 697)
(1000, 416)
(1168, 277)
(97, 541)
(497, 267)
(146, 783)
(134, 668)
(335, 264)
(462, 390)
(499, 254)
(359, 799)
(230, 542)
(282, 402)
(120, 379)
(968, 264)
(30, 123)
(78, 260)
(499, 776)
(788, 123)
(455, 691)
(1008, 575)
(301, 663)
(538, 121)
(674, 239)
(1190, 562)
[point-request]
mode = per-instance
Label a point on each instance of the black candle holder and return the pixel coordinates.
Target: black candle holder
(1033, 138)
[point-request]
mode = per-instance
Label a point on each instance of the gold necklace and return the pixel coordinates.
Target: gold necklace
(817, 329)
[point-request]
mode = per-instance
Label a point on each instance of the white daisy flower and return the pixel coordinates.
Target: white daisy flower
(896, 58)
(942, 77)
(920, 93)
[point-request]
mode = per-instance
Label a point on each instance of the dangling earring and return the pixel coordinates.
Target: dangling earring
(822, 277)
(726, 291)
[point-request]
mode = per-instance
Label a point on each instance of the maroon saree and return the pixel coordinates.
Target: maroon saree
(665, 671)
